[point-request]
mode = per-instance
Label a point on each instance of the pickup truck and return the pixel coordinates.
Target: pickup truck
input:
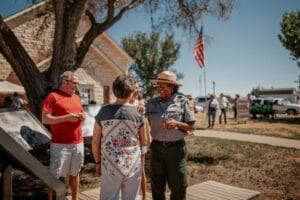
(262, 107)
(285, 107)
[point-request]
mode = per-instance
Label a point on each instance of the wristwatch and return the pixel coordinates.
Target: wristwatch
(97, 163)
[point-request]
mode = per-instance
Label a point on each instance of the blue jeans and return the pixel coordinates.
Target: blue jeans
(211, 118)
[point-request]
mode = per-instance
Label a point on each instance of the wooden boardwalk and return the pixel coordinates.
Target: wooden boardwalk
(209, 190)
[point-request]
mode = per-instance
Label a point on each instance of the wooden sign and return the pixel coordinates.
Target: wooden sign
(21, 132)
(243, 112)
(24, 128)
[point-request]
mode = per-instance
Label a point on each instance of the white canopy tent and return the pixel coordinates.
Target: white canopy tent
(7, 87)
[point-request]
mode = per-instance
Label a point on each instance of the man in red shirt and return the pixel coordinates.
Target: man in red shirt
(63, 111)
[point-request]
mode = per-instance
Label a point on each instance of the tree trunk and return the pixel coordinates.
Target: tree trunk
(67, 18)
(23, 66)
(66, 55)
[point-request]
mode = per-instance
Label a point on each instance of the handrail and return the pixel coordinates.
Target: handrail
(31, 164)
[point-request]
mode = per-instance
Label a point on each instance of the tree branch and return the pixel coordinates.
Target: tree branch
(91, 17)
(110, 10)
(131, 5)
(96, 28)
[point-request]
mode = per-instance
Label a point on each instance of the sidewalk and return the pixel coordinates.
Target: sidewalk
(274, 141)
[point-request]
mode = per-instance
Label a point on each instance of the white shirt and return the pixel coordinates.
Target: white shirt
(223, 102)
(214, 103)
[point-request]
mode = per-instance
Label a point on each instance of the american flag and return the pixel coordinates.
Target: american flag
(199, 49)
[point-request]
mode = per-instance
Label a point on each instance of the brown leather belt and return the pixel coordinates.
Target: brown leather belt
(167, 143)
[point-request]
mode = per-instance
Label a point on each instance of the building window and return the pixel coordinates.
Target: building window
(86, 94)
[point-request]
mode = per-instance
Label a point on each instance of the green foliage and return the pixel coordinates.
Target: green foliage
(290, 38)
(256, 91)
(151, 56)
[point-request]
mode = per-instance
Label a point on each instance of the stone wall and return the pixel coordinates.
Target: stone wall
(36, 37)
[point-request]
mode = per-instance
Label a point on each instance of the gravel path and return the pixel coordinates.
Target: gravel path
(275, 141)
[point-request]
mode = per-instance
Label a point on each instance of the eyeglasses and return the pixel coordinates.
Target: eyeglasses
(73, 82)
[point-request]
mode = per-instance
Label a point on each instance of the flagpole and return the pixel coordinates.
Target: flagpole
(200, 84)
(204, 70)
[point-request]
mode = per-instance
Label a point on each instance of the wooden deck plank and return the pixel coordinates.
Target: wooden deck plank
(93, 194)
(244, 193)
(195, 196)
(228, 187)
(209, 190)
(224, 188)
(86, 196)
(207, 194)
(223, 193)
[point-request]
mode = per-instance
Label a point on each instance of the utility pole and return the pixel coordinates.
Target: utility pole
(298, 82)
(214, 87)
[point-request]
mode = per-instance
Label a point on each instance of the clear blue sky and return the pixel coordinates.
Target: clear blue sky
(244, 53)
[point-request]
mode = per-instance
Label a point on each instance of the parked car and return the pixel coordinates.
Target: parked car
(200, 100)
(199, 108)
(282, 106)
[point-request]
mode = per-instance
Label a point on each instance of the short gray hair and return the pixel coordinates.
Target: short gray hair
(67, 75)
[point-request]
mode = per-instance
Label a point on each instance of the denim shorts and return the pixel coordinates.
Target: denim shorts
(66, 159)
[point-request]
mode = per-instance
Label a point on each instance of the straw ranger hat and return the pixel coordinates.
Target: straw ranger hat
(212, 95)
(166, 77)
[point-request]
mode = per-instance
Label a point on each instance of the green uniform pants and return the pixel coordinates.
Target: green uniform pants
(168, 165)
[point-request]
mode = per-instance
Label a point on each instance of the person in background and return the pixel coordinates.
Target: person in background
(7, 102)
(212, 107)
(138, 101)
(170, 119)
(63, 111)
(223, 104)
(234, 105)
(192, 103)
(17, 101)
(117, 143)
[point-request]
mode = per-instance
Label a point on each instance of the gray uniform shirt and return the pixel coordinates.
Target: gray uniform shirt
(159, 110)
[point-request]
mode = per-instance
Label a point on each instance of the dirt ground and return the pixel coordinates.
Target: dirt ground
(274, 171)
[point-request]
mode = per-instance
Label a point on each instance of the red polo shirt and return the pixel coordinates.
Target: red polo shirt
(59, 103)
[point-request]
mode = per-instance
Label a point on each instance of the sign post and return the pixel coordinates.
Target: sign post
(243, 112)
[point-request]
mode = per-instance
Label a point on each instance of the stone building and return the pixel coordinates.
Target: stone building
(290, 94)
(104, 61)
